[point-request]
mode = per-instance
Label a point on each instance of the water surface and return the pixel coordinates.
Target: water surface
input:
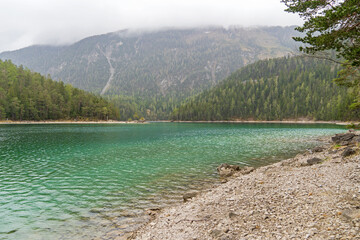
(87, 181)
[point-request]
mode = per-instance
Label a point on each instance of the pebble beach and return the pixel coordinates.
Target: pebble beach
(315, 195)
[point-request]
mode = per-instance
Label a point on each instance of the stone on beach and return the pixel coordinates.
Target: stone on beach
(348, 151)
(188, 196)
(313, 161)
(226, 170)
(318, 149)
(343, 138)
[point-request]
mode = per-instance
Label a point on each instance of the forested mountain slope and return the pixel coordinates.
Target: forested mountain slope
(25, 95)
(274, 89)
(177, 62)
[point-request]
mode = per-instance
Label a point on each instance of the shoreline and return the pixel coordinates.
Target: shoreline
(70, 122)
(293, 198)
(169, 121)
(265, 121)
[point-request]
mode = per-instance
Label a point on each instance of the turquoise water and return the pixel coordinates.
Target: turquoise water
(91, 181)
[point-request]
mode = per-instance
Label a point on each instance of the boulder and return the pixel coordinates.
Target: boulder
(348, 151)
(343, 138)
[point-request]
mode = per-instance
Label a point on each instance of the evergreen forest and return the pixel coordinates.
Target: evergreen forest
(275, 89)
(25, 95)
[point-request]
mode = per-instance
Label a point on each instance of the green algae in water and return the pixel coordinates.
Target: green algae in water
(83, 181)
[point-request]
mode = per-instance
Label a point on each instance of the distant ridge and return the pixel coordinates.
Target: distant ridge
(176, 62)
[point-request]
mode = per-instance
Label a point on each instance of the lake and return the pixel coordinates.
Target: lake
(88, 181)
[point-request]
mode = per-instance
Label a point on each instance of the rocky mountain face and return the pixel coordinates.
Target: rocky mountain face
(174, 62)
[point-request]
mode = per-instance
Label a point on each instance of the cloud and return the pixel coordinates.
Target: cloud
(26, 22)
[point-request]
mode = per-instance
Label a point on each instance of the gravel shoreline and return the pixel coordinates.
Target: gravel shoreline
(69, 122)
(315, 195)
(295, 121)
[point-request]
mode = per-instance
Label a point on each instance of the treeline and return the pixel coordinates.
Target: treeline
(149, 108)
(274, 89)
(157, 107)
(25, 95)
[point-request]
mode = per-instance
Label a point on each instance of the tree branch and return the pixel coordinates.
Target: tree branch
(326, 58)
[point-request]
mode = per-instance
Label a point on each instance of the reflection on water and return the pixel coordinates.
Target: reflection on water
(86, 181)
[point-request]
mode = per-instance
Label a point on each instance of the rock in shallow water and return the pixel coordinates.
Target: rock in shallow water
(227, 170)
(188, 196)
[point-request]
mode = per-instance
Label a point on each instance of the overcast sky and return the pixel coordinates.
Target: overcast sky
(28, 22)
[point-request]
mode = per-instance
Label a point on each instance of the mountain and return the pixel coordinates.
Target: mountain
(173, 62)
(26, 95)
(274, 89)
